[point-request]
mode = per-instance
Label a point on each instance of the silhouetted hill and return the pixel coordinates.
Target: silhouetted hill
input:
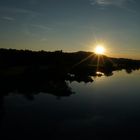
(12, 57)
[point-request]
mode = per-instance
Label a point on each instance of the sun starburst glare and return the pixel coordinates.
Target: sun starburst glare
(99, 49)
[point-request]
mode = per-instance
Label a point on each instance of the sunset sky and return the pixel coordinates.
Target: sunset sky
(72, 25)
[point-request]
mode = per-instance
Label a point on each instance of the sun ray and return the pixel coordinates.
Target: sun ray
(82, 60)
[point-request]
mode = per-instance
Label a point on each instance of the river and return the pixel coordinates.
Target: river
(108, 107)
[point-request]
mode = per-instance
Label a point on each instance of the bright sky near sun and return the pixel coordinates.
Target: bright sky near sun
(99, 49)
(71, 25)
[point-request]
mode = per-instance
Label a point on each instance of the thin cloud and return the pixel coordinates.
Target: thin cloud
(41, 27)
(116, 3)
(44, 39)
(18, 11)
(8, 18)
(37, 31)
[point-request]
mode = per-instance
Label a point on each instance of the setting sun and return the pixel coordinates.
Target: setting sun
(99, 49)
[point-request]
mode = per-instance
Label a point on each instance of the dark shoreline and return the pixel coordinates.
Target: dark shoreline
(31, 72)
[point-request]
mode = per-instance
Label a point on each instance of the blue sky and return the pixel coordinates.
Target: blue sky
(72, 25)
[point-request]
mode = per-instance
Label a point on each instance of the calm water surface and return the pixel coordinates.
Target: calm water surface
(109, 107)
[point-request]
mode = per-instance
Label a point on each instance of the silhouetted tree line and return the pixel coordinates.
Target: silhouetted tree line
(31, 72)
(59, 59)
(64, 62)
(82, 63)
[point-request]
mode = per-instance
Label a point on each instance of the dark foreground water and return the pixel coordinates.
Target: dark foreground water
(107, 108)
